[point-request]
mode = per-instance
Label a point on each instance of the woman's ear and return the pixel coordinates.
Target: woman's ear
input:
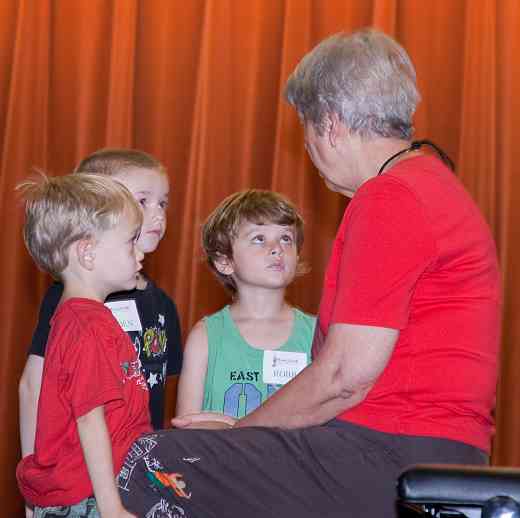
(86, 253)
(335, 129)
(224, 265)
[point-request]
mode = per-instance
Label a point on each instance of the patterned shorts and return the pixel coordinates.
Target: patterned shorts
(85, 509)
(338, 470)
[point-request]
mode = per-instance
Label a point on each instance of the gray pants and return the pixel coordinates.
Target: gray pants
(336, 470)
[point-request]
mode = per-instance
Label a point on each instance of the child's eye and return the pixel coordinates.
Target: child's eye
(142, 202)
(163, 204)
(258, 239)
(287, 238)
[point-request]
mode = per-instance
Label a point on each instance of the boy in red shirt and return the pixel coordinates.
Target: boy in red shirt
(82, 229)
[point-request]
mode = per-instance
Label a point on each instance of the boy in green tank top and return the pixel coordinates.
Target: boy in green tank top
(236, 358)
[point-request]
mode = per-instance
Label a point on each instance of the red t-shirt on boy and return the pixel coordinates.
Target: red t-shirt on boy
(414, 253)
(90, 362)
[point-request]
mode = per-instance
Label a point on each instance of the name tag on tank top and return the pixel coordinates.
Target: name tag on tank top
(281, 366)
(125, 312)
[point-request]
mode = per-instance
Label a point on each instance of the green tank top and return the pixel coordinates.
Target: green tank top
(234, 379)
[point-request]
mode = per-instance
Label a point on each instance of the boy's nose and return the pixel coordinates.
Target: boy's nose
(276, 249)
(158, 214)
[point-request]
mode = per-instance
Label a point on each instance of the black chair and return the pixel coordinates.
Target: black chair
(452, 491)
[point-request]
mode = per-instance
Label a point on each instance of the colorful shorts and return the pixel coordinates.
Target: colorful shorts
(85, 509)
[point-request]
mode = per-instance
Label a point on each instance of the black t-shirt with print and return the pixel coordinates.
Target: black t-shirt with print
(158, 345)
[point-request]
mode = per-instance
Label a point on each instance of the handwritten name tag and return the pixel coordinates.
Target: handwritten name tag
(125, 312)
(281, 366)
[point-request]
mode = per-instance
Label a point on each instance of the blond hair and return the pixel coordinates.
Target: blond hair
(255, 206)
(115, 161)
(64, 209)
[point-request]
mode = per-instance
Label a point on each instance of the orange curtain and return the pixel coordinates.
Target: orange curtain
(198, 84)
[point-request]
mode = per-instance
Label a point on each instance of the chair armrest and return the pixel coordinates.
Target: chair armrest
(457, 484)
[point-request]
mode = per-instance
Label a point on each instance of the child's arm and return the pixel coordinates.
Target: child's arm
(174, 353)
(31, 380)
(190, 394)
(97, 449)
(29, 393)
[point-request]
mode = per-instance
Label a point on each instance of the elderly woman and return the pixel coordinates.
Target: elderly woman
(405, 354)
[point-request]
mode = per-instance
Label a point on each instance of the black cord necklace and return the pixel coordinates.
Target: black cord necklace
(416, 145)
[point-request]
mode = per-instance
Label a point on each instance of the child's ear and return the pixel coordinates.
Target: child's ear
(224, 265)
(86, 253)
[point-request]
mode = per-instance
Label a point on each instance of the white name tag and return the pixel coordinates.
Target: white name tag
(281, 366)
(125, 312)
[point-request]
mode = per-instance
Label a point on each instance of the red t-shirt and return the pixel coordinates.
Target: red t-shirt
(413, 253)
(90, 362)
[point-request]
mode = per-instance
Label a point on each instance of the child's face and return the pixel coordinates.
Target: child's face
(264, 255)
(150, 188)
(117, 258)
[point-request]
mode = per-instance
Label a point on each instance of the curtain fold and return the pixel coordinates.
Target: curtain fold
(507, 445)
(477, 146)
(199, 84)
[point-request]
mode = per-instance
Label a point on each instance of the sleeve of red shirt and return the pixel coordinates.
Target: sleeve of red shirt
(92, 374)
(388, 246)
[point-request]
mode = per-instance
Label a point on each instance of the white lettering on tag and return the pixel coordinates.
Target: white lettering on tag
(125, 312)
(282, 366)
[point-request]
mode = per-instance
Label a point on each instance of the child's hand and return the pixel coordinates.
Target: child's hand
(207, 420)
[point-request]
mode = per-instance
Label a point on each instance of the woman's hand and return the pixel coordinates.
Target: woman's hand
(204, 420)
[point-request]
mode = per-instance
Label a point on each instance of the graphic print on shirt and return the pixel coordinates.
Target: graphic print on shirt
(150, 347)
(154, 340)
(241, 399)
(132, 371)
(239, 378)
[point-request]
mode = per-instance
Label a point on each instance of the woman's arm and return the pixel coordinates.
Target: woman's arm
(349, 364)
(190, 395)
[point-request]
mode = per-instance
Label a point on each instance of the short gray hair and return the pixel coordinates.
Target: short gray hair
(64, 209)
(366, 78)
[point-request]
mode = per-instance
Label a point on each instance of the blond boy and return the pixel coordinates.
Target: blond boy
(82, 229)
